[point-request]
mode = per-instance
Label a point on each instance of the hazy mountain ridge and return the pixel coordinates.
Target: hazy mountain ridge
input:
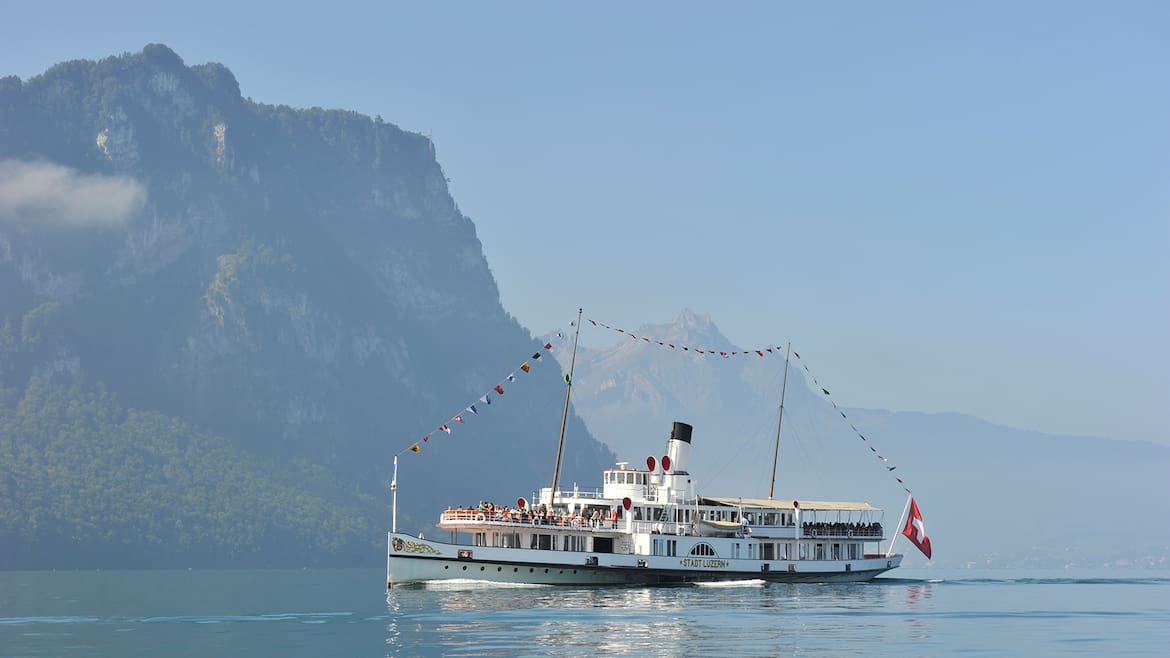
(296, 285)
(991, 495)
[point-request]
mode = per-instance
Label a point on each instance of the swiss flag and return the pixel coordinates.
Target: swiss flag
(915, 530)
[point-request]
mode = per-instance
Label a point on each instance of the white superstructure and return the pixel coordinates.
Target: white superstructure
(646, 526)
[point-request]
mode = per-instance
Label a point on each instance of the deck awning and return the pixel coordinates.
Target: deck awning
(785, 504)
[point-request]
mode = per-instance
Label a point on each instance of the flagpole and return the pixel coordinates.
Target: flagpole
(776, 452)
(394, 498)
(552, 493)
(897, 529)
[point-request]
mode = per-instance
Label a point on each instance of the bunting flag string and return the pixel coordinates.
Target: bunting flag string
(486, 399)
(890, 468)
(771, 349)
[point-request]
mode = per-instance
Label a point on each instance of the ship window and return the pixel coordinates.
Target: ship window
(819, 553)
(836, 551)
(505, 540)
(767, 551)
(803, 551)
(703, 548)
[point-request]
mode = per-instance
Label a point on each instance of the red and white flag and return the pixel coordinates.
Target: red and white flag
(915, 530)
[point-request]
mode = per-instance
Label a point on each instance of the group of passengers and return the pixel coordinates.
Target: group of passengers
(581, 516)
(842, 529)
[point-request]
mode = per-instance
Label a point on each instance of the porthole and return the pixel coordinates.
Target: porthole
(515, 569)
(530, 570)
(446, 566)
(481, 568)
(465, 567)
(499, 568)
(546, 570)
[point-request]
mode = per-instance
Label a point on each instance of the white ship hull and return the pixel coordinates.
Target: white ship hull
(412, 562)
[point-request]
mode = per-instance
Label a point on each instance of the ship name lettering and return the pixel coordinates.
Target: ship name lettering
(705, 564)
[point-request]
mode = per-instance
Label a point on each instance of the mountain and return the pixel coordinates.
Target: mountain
(991, 495)
(221, 319)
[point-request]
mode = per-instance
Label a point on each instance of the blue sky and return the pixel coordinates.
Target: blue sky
(945, 206)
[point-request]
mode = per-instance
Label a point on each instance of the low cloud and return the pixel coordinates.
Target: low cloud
(47, 194)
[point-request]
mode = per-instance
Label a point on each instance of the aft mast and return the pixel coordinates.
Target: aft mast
(552, 493)
(779, 422)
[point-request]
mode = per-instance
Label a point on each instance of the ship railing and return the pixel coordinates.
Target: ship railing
(566, 495)
(661, 527)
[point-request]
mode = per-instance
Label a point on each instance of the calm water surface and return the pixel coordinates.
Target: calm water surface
(347, 613)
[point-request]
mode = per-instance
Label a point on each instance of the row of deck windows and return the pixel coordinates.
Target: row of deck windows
(544, 542)
(669, 547)
(625, 477)
(769, 550)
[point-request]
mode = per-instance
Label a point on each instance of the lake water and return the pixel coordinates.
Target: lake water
(347, 613)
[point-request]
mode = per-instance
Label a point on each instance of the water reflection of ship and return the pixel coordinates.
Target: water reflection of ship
(776, 619)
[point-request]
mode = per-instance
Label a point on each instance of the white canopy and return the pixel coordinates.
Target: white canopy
(785, 504)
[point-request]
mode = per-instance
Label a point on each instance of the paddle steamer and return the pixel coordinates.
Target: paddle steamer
(646, 526)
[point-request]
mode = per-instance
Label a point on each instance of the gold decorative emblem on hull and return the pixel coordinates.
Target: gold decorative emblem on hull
(407, 546)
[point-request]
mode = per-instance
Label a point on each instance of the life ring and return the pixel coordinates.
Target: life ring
(480, 517)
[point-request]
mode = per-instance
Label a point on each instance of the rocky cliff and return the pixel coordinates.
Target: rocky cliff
(295, 292)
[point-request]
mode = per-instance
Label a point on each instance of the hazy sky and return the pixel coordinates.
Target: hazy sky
(945, 206)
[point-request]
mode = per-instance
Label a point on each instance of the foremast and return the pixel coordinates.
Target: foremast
(552, 492)
(779, 422)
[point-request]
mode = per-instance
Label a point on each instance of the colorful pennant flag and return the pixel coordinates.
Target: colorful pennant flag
(485, 399)
(685, 348)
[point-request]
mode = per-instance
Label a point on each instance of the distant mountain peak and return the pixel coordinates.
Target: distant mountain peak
(689, 318)
(689, 328)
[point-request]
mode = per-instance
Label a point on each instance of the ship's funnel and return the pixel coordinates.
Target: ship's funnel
(678, 448)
